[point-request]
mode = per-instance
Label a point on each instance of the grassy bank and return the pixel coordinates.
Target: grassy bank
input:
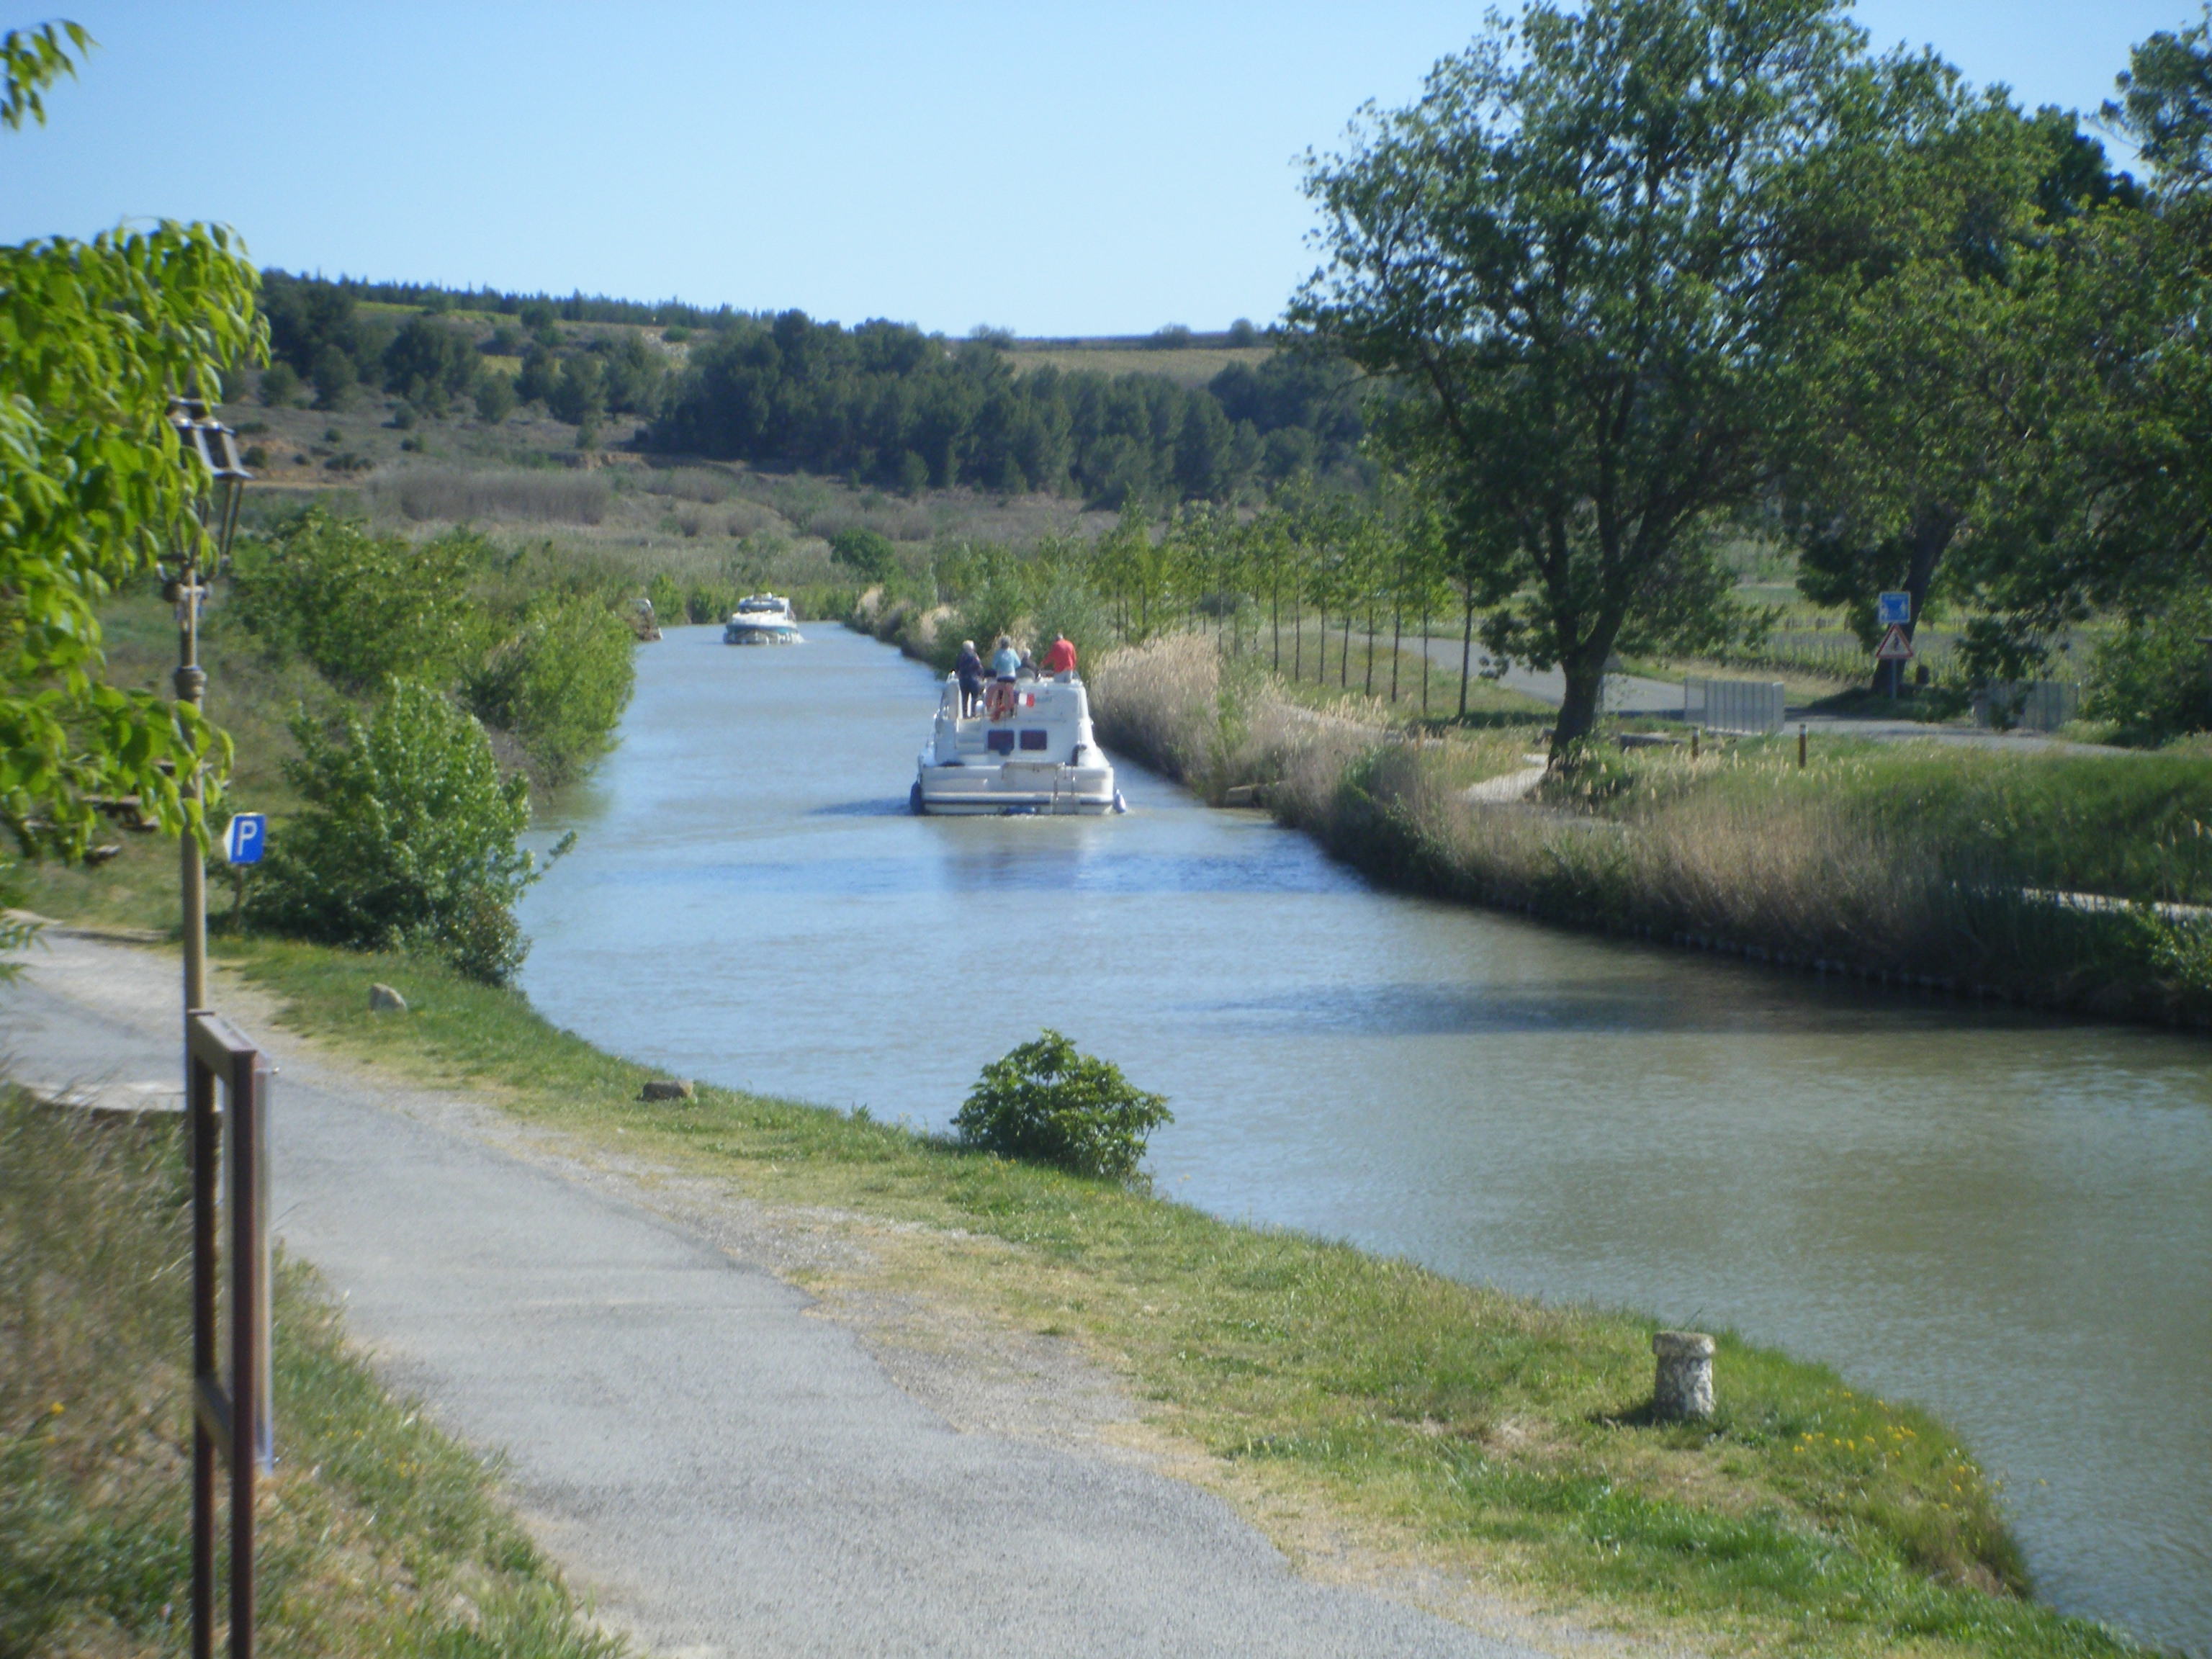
(378, 1534)
(1439, 1425)
(2027, 876)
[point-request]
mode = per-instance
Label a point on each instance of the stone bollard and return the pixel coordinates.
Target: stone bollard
(1684, 1385)
(383, 1000)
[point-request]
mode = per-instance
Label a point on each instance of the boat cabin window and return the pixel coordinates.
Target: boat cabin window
(1000, 743)
(1034, 739)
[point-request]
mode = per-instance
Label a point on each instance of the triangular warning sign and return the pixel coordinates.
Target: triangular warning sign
(1894, 646)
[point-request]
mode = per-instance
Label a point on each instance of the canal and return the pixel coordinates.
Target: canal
(2005, 1219)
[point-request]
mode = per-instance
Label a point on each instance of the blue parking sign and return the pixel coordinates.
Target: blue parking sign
(249, 834)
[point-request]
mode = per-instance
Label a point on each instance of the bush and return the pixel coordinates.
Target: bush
(2153, 679)
(665, 594)
(1048, 1103)
(561, 684)
(280, 385)
(361, 608)
(579, 393)
(408, 840)
(868, 553)
(428, 364)
(495, 396)
(1070, 607)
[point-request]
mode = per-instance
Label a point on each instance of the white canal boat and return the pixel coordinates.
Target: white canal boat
(1029, 749)
(763, 619)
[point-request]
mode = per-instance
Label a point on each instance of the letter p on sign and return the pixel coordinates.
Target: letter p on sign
(247, 835)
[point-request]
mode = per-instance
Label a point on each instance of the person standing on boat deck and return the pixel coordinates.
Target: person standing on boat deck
(1005, 663)
(1061, 659)
(969, 672)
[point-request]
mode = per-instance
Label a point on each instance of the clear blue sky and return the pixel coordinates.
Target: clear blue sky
(1056, 169)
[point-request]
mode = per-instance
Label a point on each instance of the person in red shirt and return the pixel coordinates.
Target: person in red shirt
(1061, 659)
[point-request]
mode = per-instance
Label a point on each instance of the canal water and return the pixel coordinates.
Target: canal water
(2006, 1220)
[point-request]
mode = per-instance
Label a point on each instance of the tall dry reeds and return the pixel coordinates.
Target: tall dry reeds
(687, 483)
(451, 497)
(1761, 860)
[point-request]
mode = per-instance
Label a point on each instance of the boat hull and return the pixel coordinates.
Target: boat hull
(736, 636)
(988, 791)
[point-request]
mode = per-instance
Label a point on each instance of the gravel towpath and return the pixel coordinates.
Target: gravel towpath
(723, 1469)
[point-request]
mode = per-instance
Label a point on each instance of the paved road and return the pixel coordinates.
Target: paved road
(726, 1474)
(1628, 693)
(1625, 694)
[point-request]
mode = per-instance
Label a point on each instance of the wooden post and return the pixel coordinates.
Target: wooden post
(1801, 747)
(230, 1415)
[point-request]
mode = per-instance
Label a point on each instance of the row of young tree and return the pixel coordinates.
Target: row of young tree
(1645, 270)
(1326, 585)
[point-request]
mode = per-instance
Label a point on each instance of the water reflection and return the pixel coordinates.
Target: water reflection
(2008, 1219)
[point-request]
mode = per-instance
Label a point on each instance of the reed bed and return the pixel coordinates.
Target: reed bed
(1937, 870)
(448, 495)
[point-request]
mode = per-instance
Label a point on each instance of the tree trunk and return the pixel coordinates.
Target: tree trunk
(1465, 649)
(1928, 541)
(1275, 620)
(1368, 688)
(1397, 638)
(1578, 714)
(1425, 660)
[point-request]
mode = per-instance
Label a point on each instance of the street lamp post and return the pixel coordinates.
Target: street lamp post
(211, 446)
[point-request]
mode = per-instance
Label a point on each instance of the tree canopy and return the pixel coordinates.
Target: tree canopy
(1573, 252)
(94, 338)
(887, 403)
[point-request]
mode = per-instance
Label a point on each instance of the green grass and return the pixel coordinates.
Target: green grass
(1462, 1428)
(377, 1535)
(1192, 365)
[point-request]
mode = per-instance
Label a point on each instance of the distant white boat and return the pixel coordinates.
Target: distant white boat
(1031, 751)
(763, 619)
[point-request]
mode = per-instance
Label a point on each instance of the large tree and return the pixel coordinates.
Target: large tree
(2109, 507)
(1575, 248)
(1914, 349)
(94, 338)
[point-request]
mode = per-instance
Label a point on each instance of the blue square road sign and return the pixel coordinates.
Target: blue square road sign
(1894, 611)
(242, 843)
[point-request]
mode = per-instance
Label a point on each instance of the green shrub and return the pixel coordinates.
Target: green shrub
(1046, 1103)
(408, 840)
(361, 608)
(710, 605)
(494, 396)
(280, 385)
(560, 683)
(868, 553)
(1070, 607)
(665, 595)
(2153, 679)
